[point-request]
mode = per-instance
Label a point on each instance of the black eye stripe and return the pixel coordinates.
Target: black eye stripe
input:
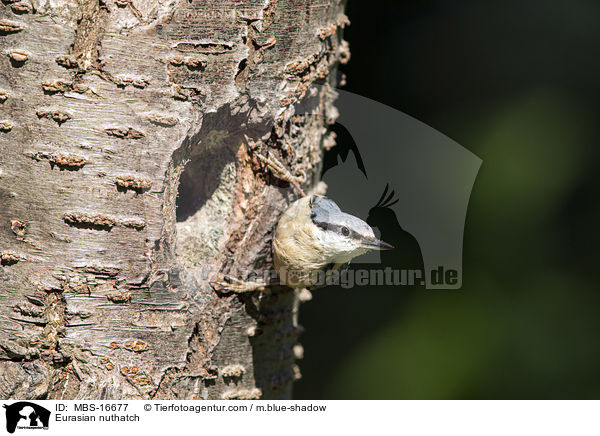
(355, 235)
(322, 225)
(338, 229)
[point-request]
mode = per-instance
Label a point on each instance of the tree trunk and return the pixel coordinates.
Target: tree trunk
(128, 178)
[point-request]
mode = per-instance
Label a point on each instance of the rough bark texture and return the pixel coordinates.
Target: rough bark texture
(109, 111)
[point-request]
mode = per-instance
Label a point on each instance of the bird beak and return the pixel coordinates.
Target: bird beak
(377, 244)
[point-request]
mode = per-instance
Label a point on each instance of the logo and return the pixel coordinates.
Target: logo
(426, 179)
(26, 415)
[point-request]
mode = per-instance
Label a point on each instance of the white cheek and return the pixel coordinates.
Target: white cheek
(330, 242)
(320, 236)
(345, 249)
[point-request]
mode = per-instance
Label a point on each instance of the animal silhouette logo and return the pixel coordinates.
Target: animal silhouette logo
(432, 178)
(26, 415)
(341, 150)
(407, 254)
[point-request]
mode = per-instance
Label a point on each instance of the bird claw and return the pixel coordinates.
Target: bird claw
(282, 173)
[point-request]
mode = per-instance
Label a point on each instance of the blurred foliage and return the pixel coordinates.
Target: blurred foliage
(515, 83)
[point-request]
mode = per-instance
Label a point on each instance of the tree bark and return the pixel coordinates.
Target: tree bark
(128, 178)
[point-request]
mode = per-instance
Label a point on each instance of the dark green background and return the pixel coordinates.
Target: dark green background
(518, 84)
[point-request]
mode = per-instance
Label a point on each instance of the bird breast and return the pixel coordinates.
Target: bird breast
(296, 247)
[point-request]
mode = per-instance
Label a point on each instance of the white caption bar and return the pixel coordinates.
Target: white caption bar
(301, 417)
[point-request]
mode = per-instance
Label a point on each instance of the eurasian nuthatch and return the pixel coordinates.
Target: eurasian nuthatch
(312, 235)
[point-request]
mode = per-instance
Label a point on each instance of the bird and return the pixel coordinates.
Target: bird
(312, 235)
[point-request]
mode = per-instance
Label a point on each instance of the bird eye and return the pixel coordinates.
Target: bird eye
(345, 231)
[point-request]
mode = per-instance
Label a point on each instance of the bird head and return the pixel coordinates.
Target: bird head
(342, 236)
